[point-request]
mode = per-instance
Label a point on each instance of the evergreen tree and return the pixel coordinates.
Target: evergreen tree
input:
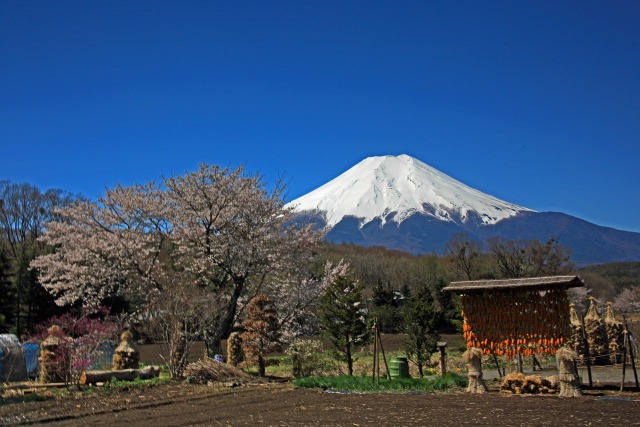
(385, 305)
(421, 319)
(344, 319)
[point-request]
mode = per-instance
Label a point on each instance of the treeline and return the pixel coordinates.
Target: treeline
(389, 277)
(24, 210)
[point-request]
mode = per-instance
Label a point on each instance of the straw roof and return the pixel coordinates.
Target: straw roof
(534, 283)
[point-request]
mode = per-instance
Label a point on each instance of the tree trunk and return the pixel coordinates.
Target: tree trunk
(213, 337)
(349, 358)
(93, 377)
(261, 367)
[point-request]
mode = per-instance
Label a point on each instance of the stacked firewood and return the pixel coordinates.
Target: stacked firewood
(508, 323)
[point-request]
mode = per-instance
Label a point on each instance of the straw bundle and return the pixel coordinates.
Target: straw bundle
(615, 333)
(126, 355)
(577, 332)
(596, 334)
(473, 357)
(569, 383)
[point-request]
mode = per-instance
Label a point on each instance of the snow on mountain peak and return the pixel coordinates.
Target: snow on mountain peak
(397, 187)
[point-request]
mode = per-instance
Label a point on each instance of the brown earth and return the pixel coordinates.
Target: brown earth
(279, 404)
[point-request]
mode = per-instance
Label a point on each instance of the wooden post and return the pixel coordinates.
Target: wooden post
(631, 355)
(384, 358)
(534, 362)
(375, 349)
(624, 359)
(495, 359)
(443, 355)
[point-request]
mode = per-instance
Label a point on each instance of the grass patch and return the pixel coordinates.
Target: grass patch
(365, 384)
(137, 383)
(23, 399)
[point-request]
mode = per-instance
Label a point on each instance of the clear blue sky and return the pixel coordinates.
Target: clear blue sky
(537, 103)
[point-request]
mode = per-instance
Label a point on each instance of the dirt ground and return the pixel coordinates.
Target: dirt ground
(279, 404)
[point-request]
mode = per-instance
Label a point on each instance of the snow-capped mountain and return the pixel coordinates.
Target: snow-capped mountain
(402, 203)
(395, 188)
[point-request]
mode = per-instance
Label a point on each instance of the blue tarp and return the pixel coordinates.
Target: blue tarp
(31, 355)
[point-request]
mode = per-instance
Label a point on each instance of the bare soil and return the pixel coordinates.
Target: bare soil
(279, 404)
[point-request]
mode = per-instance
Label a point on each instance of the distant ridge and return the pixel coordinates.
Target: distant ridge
(400, 202)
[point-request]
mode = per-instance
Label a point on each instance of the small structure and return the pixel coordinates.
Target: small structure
(126, 355)
(515, 317)
(13, 365)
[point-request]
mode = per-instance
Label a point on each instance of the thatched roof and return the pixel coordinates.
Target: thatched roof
(540, 283)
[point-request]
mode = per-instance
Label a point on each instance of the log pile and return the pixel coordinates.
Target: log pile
(596, 334)
(615, 334)
(508, 323)
(517, 383)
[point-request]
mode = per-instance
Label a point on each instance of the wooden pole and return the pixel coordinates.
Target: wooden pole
(383, 355)
(535, 362)
(586, 352)
(495, 359)
(624, 359)
(631, 355)
(375, 349)
(443, 356)
(377, 355)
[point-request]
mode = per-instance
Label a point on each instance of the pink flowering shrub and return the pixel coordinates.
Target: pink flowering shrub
(82, 339)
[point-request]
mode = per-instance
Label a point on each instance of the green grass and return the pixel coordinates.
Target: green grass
(365, 384)
(23, 399)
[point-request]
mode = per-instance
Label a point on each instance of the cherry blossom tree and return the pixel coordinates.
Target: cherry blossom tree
(220, 229)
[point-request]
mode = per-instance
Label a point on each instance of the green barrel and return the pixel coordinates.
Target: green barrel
(399, 367)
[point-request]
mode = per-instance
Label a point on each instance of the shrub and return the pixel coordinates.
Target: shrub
(306, 357)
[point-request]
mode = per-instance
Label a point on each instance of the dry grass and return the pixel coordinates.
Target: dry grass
(210, 371)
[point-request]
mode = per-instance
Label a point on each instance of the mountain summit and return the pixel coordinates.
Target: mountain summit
(402, 203)
(393, 188)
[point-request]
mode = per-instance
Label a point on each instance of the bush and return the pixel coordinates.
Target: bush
(306, 357)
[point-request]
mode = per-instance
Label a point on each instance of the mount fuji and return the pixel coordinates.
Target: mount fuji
(402, 203)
